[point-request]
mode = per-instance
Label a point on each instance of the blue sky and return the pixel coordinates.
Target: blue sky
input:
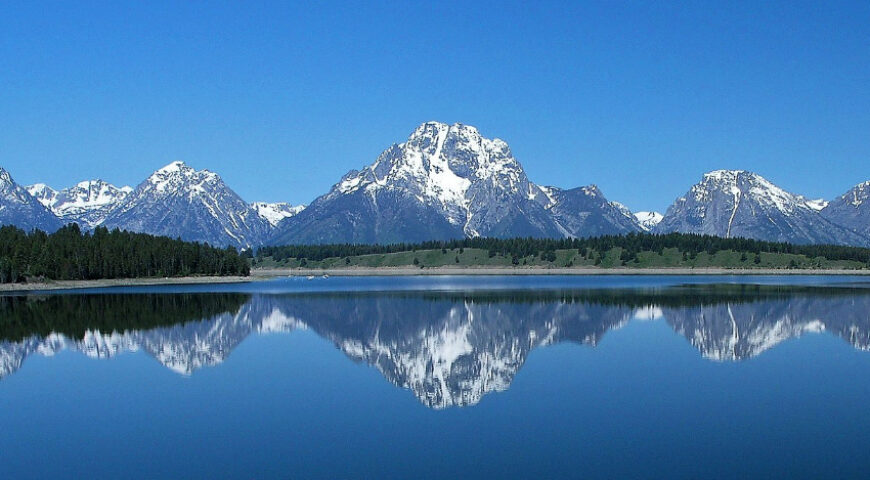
(282, 99)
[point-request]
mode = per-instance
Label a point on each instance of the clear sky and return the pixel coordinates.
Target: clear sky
(282, 99)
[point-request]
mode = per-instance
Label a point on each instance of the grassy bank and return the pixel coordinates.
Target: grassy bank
(668, 258)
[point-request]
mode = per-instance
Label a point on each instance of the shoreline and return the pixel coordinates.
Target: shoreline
(272, 273)
(471, 271)
(118, 282)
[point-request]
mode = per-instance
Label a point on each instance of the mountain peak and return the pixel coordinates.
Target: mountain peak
(725, 174)
(428, 128)
(179, 176)
(18, 207)
(275, 212)
(448, 181)
(176, 166)
(196, 205)
(648, 220)
(87, 203)
(5, 177)
(739, 203)
(851, 209)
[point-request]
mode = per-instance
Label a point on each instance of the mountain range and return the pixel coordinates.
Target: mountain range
(443, 182)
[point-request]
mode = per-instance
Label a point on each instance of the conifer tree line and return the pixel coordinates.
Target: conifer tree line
(631, 244)
(70, 254)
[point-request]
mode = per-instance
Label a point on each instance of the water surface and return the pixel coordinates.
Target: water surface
(601, 377)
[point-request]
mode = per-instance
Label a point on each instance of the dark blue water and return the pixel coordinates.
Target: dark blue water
(462, 377)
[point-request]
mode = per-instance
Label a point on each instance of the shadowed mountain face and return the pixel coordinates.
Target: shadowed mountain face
(449, 349)
(19, 208)
(737, 203)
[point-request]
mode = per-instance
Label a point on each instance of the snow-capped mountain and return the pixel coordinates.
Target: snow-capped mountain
(648, 220)
(18, 207)
(42, 192)
(275, 212)
(445, 181)
(195, 205)
(737, 203)
(87, 203)
(852, 209)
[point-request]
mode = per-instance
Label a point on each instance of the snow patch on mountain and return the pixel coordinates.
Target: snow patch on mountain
(648, 220)
(275, 212)
(817, 204)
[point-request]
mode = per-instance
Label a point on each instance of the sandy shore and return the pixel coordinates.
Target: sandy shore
(73, 284)
(405, 271)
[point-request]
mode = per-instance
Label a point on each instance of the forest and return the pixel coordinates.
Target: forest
(72, 254)
(631, 245)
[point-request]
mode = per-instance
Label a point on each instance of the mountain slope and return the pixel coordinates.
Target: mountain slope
(195, 205)
(19, 208)
(852, 209)
(445, 181)
(585, 212)
(737, 203)
(87, 203)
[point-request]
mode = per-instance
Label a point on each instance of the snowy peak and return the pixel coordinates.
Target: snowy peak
(648, 220)
(446, 181)
(857, 196)
(178, 176)
(195, 205)
(176, 166)
(275, 212)
(6, 181)
(87, 203)
(42, 192)
(741, 184)
(438, 165)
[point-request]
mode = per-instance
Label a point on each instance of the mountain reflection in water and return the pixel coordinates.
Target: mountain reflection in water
(449, 349)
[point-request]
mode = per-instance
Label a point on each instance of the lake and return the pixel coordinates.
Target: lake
(440, 377)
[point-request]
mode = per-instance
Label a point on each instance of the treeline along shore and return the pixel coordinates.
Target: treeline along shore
(634, 250)
(71, 254)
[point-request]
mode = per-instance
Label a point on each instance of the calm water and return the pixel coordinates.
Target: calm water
(641, 377)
